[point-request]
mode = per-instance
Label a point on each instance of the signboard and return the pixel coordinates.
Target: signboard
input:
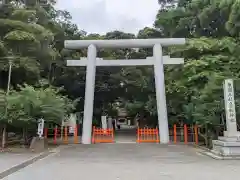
(230, 105)
(71, 130)
(40, 127)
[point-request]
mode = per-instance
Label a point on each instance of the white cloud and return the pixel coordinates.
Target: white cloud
(101, 16)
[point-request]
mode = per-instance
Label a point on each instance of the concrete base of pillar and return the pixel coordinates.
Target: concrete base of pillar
(225, 148)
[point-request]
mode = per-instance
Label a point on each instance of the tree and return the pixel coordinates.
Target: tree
(195, 91)
(32, 37)
(27, 105)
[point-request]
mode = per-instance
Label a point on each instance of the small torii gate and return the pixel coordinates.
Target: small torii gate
(157, 61)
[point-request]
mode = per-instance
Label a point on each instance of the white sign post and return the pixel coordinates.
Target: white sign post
(40, 128)
(104, 122)
(231, 122)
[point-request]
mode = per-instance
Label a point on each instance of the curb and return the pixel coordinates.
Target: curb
(219, 157)
(207, 152)
(201, 147)
(27, 162)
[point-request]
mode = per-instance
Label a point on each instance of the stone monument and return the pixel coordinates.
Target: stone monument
(39, 143)
(228, 146)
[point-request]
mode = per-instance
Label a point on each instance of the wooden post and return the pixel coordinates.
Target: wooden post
(138, 135)
(157, 134)
(45, 132)
(93, 134)
(76, 134)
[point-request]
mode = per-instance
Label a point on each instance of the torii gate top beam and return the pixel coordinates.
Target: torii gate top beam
(123, 43)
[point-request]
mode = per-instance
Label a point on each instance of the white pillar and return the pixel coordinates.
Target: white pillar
(89, 94)
(110, 124)
(160, 94)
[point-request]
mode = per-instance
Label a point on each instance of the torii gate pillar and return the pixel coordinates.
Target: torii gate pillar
(160, 94)
(89, 94)
(158, 62)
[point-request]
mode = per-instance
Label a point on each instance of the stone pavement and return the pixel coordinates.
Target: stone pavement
(128, 162)
(125, 136)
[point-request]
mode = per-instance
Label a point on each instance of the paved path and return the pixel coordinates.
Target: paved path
(129, 162)
(125, 136)
(8, 160)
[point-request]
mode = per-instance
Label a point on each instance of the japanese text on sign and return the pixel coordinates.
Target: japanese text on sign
(230, 104)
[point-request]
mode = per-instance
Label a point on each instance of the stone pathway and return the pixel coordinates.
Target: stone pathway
(129, 162)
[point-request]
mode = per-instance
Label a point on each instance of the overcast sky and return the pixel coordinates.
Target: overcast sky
(101, 16)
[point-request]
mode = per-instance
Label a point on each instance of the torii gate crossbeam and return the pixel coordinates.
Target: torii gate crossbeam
(157, 61)
(123, 62)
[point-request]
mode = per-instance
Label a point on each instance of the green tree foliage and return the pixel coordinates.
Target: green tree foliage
(27, 44)
(32, 37)
(31, 104)
(195, 92)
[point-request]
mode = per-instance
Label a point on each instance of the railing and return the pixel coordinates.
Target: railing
(177, 134)
(102, 135)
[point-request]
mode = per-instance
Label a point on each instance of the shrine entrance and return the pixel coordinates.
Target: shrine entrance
(157, 61)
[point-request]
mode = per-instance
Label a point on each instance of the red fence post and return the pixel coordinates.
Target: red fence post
(157, 135)
(138, 134)
(93, 134)
(76, 134)
(45, 132)
(175, 133)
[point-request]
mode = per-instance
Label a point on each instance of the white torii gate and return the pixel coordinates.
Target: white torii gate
(157, 61)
